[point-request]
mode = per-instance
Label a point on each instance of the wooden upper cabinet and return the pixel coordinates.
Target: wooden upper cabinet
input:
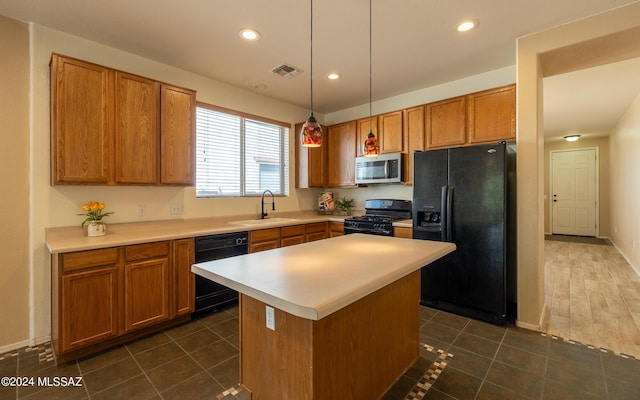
(136, 132)
(81, 122)
(491, 115)
(445, 123)
(390, 131)
(414, 134)
(310, 162)
(341, 159)
(178, 136)
(363, 127)
(110, 127)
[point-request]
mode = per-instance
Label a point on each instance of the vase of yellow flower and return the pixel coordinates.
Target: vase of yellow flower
(94, 212)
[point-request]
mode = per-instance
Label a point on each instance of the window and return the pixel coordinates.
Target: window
(240, 155)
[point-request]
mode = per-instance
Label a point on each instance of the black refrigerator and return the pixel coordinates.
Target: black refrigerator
(467, 196)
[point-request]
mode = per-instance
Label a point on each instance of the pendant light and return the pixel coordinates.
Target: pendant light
(371, 147)
(311, 132)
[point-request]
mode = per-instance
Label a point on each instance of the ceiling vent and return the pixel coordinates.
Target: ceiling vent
(286, 70)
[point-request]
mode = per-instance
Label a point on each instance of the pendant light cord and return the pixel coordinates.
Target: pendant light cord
(311, 68)
(370, 101)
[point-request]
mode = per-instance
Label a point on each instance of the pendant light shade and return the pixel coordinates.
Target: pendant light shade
(311, 132)
(371, 147)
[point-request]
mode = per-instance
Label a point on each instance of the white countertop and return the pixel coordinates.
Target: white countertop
(313, 280)
(74, 238)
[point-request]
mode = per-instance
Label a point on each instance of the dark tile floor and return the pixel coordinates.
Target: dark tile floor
(460, 359)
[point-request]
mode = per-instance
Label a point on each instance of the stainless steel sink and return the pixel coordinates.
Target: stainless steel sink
(266, 221)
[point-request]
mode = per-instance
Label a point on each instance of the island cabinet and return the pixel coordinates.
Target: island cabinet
(445, 123)
(103, 297)
(110, 127)
(341, 155)
(491, 115)
(414, 137)
(310, 163)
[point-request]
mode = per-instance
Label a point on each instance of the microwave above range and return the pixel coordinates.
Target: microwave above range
(385, 168)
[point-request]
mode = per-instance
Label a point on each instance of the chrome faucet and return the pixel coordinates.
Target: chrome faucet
(263, 213)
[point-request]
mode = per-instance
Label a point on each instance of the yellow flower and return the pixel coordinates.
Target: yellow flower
(93, 212)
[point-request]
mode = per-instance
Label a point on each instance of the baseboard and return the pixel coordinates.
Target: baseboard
(14, 346)
(526, 325)
(633, 267)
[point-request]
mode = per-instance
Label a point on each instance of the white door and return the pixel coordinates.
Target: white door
(573, 192)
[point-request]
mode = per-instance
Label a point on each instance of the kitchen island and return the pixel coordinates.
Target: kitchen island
(331, 319)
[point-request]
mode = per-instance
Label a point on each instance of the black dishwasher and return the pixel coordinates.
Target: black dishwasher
(212, 296)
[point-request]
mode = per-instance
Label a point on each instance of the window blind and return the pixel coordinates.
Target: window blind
(238, 156)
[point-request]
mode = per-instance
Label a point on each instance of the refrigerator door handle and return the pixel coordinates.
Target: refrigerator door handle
(444, 215)
(449, 213)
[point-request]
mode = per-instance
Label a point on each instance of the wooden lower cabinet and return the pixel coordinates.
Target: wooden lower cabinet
(146, 283)
(184, 290)
(104, 297)
(403, 232)
(88, 310)
(336, 229)
(264, 239)
(316, 231)
(292, 235)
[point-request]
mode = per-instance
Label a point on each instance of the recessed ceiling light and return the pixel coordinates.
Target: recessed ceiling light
(467, 25)
(249, 34)
(333, 76)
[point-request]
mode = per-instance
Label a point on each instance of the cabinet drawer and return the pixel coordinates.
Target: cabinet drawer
(264, 234)
(146, 250)
(403, 232)
(294, 230)
(88, 259)
(317, 227)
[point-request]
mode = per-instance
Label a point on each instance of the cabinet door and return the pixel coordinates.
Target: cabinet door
(81, 122)
(403, 232)
(390, 128)
(292, 235)
(183, 279)
(336, 229)
(146, 285)
(89, 300)
(491, 115)
(445, 123)
(264, 239)
(310, 163)
(363, 127)
(178, 132)
(414, 133)
(316, 231)
(136, 132)
(341, 157)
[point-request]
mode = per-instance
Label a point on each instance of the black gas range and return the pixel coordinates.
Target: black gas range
(379, 217)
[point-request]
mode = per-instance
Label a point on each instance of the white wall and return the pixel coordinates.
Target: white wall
(625, 185)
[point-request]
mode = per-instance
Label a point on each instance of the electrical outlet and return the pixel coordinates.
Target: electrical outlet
(141, 210)
(177, 208)
(271, 318)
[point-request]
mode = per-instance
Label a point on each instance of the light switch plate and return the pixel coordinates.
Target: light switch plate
(271, 318)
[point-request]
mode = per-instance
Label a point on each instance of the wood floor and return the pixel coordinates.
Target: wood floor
(593, 296)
